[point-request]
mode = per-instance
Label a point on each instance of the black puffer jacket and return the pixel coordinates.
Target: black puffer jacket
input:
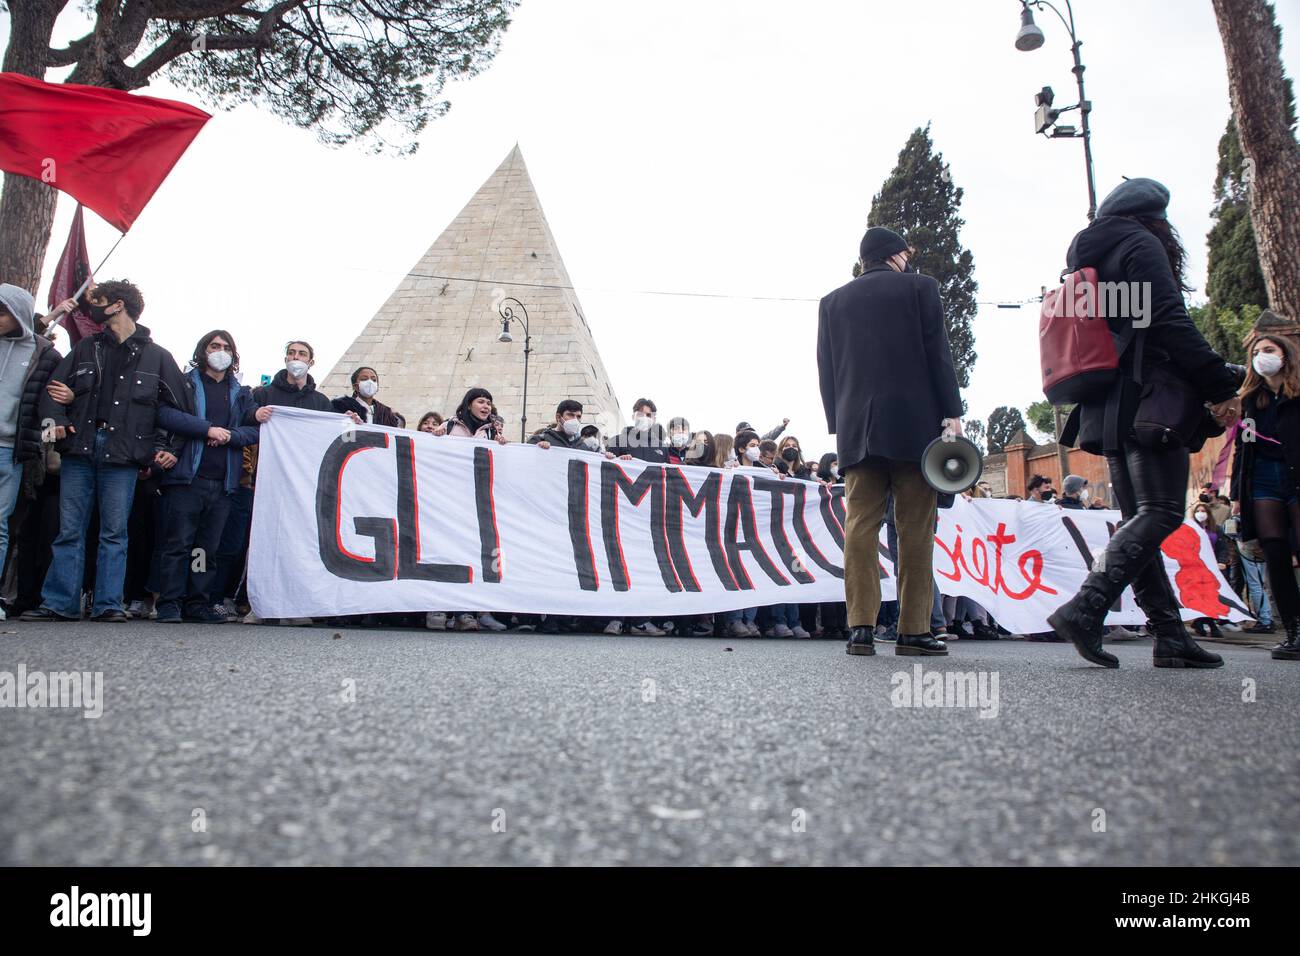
(1123, 251)
(149, 389)
(27, 445)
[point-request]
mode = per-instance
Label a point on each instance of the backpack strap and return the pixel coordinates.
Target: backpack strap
(1135, 337)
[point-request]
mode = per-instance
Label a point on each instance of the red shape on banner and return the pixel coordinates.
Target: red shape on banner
(70, 273)
(1198, 588)
(108, 149)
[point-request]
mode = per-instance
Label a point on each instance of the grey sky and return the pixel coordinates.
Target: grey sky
(717, 147)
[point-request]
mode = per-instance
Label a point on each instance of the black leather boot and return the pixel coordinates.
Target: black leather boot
(1289, 649)
(1175, 648)
(920, 645)
(1080, 620)
(860, 642)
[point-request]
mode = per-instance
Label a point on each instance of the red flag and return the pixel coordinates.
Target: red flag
(108, 149)
(69, 275)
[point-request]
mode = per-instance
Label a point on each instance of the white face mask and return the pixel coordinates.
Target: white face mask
(219, 361)
(643, 422)
(368, 388)
(1201, 516)
(680, 439)
(1085, 496)
(592, 443)
(572, 426)
(296, 369)
(753, 453)
(1266, 363)
(835, 471)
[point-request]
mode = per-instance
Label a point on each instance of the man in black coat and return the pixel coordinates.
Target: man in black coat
(889, 388)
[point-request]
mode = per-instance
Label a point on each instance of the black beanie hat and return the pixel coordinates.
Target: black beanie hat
(1136, 197)
(881, 243)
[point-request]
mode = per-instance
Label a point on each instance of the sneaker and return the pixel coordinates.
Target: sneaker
(487, 622)
(250, 618)
(436, 620)
(701, 630)
(888, 635)
(668, 627)
(168, 613)
(527, 628)
(44, 614)
(645, 630)
(114, 615)
(782, 630)
(551, 625)
(3, 615)
(296, 621)
(1120, 633)
(614, 628)
(738, 629)
(135, 609)
(800, 633)
(205, 615)
(1258, 628)
(752, 627)
(769, 632)
(466, 622)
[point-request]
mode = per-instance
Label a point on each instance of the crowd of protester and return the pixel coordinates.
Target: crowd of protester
(129, 490)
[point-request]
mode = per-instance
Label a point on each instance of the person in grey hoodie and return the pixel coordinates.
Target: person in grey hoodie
(26, 361)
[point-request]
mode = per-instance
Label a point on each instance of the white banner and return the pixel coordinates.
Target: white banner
(364, 519)
(1022, 560)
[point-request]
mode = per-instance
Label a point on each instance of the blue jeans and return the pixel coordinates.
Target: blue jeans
(787, 614)
(750, 614)
(1253, 572)
(83, 481)
(11, 481)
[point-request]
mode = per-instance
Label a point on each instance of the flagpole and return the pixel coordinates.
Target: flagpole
(110, 252)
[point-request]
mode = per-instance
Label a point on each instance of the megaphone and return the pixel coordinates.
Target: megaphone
(951, 464)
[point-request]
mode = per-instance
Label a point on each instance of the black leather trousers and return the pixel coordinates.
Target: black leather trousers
(1150, 487)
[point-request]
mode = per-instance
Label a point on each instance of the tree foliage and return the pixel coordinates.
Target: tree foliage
(973, 429)
(1004, 423)
(920, 202)
(343, 68)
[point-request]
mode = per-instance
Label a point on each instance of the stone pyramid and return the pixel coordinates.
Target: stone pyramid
(437, 337)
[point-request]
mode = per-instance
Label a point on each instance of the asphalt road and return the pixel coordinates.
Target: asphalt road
(240, 745)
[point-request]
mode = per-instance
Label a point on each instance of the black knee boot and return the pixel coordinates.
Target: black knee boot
(1175, 648)
(1080, 619)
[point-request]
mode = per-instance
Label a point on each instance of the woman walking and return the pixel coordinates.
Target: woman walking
(1145, 430)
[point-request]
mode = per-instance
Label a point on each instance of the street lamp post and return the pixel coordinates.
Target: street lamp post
(1028, 39)
(1031, 38)
(507, 313)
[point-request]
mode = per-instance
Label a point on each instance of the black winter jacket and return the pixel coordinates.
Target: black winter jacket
(282, 392)
(650, 445)
(146, 396)
(556, 438)
(27, 443)
(1123, 251)
(350, 403)
(885, 367)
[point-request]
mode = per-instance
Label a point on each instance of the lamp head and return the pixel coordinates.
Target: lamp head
(1030, 36)
(505, 335)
